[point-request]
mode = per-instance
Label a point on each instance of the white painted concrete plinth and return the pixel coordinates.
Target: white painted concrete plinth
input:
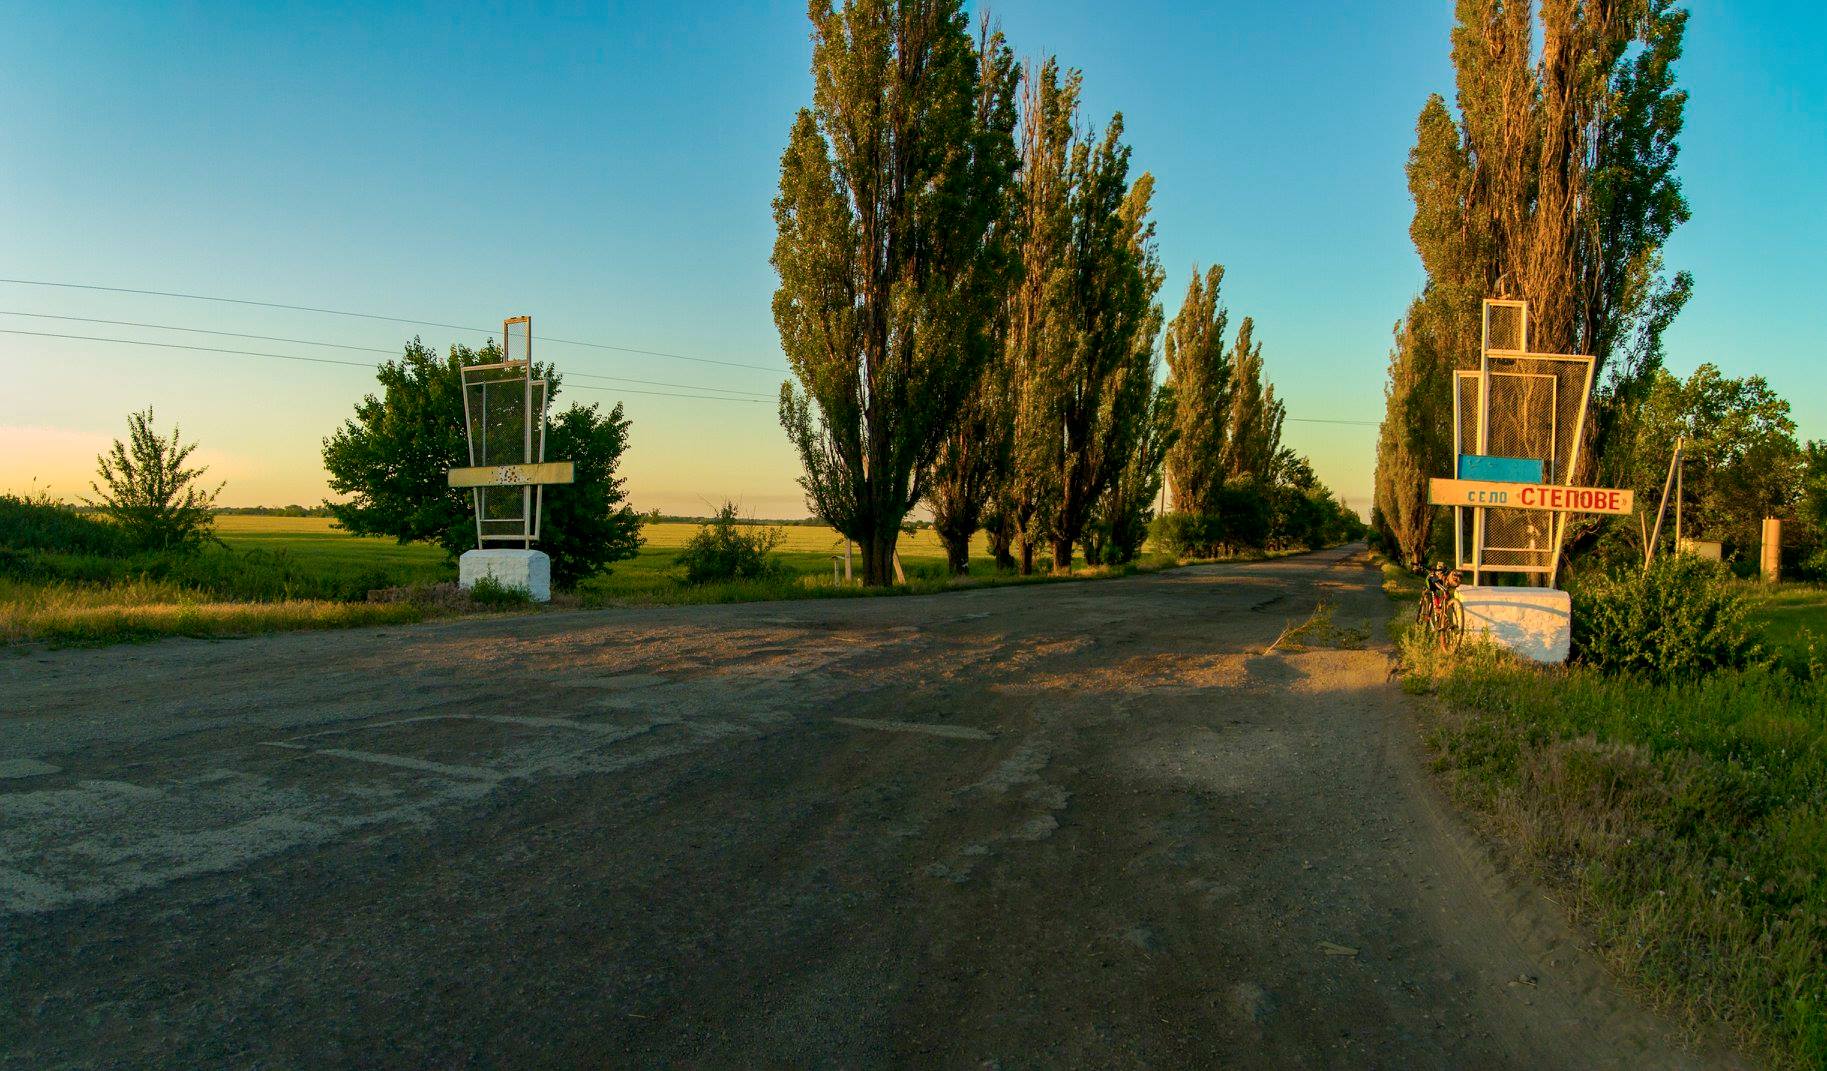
(528, 570)
(1535, 623)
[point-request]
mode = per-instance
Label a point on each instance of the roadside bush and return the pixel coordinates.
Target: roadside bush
(39, 522)
(1683, 618)
(1186, 535)
(727, 549)
(491, 592)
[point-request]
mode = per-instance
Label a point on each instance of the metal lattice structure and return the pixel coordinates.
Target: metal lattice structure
(1518, 405)
(504, 412)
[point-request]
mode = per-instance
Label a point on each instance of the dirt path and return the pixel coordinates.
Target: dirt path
(1073, 825)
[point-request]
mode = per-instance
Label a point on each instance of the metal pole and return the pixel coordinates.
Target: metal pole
(1680, 469)
(1668, 484)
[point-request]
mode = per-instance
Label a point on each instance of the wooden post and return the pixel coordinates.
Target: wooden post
(1773, 550)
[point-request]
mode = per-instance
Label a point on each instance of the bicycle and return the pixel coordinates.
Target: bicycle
(1439, 612)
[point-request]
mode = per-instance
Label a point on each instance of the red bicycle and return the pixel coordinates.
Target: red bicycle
(1439, 612)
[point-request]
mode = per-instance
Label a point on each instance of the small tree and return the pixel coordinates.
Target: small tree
(726, 548)
(147, 489)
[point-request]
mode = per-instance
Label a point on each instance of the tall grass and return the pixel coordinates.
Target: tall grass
(1686, 823)
(146, 609)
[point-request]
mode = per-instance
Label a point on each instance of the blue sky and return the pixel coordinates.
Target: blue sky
(608, 170)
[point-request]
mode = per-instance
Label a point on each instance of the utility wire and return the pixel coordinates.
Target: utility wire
(375, 316)
(347, 364)
(345, 346)
(422, 323)
(1322, 420)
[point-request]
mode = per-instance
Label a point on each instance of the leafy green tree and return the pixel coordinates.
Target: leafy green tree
(1742, 461)
(1253, 434)
(393, 459)
(1108, 326)
(1199, 367)
(147, 488)
(1120, 525)
(1414, 441)
(588, 523)
(1033, 315)
(971, 465)
(889, 251)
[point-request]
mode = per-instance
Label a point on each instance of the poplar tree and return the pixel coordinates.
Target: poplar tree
(890, 257)
(1108, 324)
(1253, 428)
(1033, 316)
(974, 455)
(1120, 525)
(1413, 442)
(1199, 367)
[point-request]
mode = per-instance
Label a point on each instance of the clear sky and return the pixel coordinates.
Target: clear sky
(608, 171)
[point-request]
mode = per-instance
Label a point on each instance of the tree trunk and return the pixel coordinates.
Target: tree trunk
(1027, 556)
(1062, 555)
(957, 540)
(1001, 545)
(958, 556)
(878, 556)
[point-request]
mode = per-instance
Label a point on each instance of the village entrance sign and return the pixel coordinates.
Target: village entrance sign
(1519, 426)
(504, 418)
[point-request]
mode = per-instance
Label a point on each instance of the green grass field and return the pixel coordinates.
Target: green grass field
(313, 545)
(278, 573)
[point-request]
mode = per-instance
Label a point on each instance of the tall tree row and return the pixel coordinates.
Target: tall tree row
(891, 257)
(1553, 181)
(967, 301)
(1199, 366)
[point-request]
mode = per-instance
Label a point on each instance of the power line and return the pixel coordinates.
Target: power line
(1322, 420)
(745, 395)
(360, 349)
(376, 316)
(347, 364)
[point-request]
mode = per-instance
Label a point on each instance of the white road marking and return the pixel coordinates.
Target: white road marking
(401, 761)
(956, 732)
(405, 763)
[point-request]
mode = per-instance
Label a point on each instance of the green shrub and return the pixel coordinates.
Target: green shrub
(727, 549)
(41, 523)
(1186, 535)
(1682, 618)
(491, 592)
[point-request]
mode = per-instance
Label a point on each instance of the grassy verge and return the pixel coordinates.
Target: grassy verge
(139, 610)
(281, 573)
(1685, 825)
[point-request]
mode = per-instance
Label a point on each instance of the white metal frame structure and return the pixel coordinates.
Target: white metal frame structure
(507, 474)
(1504, 358)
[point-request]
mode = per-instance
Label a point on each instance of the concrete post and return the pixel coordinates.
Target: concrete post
(1773, 550)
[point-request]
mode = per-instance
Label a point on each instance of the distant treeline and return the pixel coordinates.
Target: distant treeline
(275, 511)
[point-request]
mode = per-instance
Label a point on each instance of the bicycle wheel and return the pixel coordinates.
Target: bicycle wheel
(1452, 626)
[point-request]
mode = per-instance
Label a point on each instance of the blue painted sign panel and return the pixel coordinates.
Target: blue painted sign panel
(1499, 469)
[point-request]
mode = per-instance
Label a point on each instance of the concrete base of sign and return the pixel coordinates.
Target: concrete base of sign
(528, 570)
(1535, 623)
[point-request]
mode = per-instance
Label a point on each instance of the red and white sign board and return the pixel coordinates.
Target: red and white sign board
(1530, 496)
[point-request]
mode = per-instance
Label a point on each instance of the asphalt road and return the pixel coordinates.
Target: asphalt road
(1074, 825)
